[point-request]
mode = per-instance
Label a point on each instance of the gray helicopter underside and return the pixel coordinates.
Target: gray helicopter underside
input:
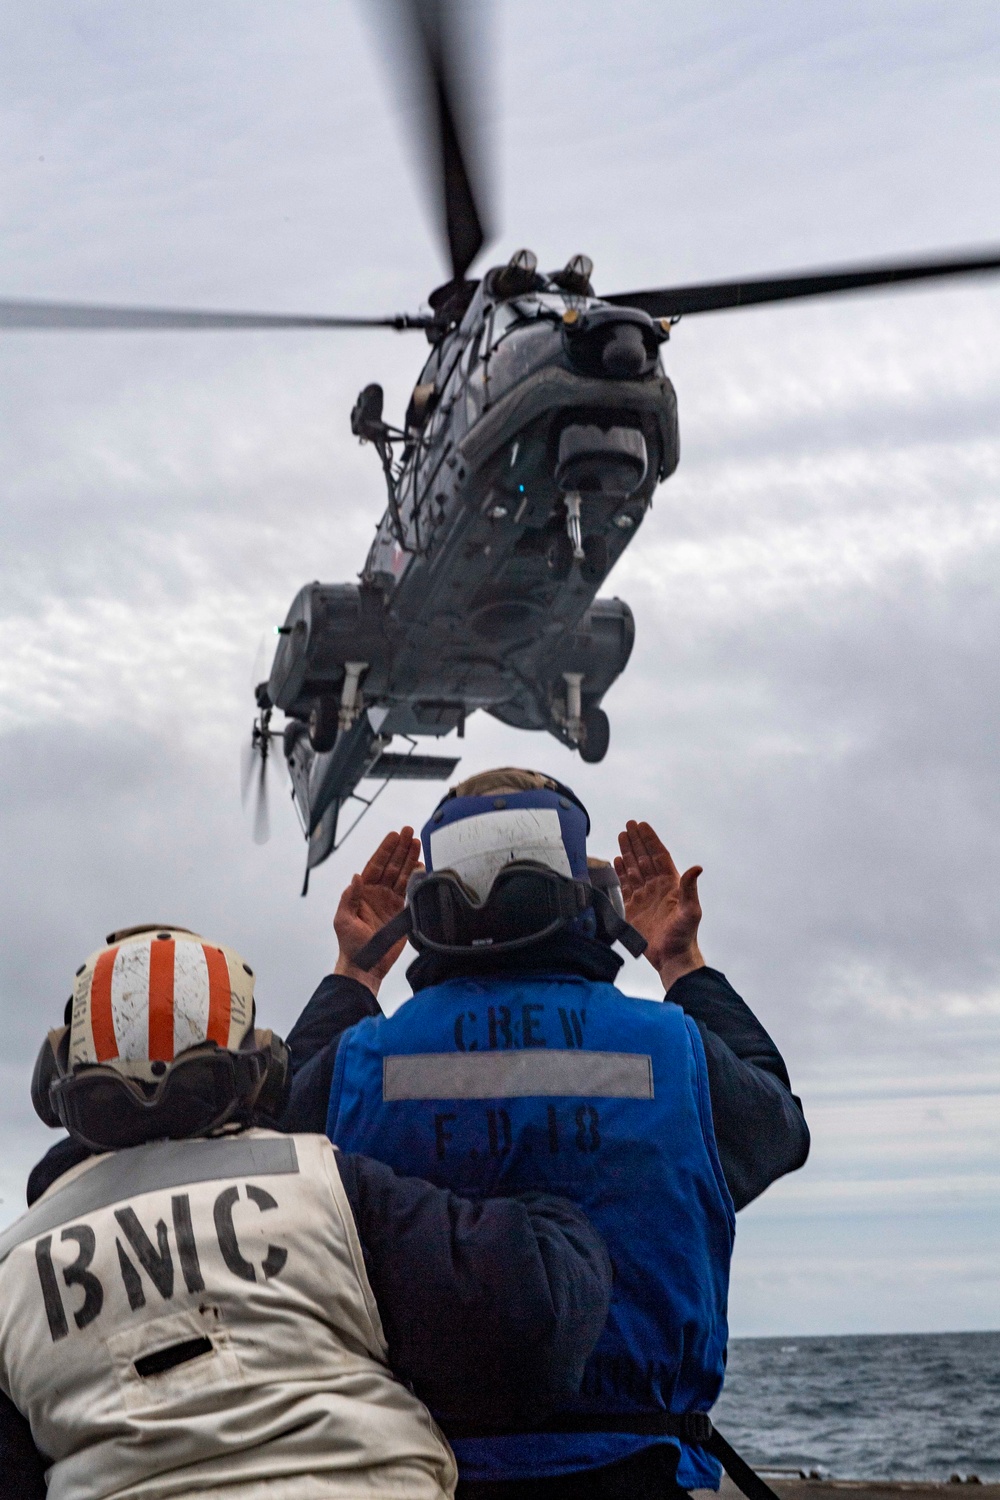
(518, 491)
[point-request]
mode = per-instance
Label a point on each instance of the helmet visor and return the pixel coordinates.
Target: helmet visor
(526, 903)
(110, 1112)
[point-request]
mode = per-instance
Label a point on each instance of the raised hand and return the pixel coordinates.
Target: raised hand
(372, 899)
(660, 903)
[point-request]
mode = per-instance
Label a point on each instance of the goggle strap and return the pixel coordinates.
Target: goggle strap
(613, 928)
(401, 926)
(571, 898)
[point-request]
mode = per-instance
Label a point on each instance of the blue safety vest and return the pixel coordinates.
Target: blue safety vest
(562, 1084)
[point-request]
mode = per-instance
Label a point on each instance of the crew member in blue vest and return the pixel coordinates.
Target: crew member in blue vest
(518, 1065)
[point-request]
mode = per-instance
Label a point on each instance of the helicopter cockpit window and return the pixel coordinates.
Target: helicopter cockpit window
(503, 320)
(469, 355)
(526, 309)
(424, 393)
(429, 373)
(421, 404)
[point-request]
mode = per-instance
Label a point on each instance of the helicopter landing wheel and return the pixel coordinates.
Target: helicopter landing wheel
(595, 559)
(323, 724)
(596, 735)
(559, 556)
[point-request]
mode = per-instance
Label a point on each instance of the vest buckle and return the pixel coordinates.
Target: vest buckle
(696, 1428)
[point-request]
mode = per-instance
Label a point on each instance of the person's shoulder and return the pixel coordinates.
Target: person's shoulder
(614, 994)
(61, 1159)
(663, 1015)
(309, 1154)
(366, 1026)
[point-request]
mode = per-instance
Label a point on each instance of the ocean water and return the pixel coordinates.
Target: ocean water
(913, 1406)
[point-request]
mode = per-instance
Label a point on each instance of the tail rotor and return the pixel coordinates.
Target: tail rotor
(259, 755)
(258, 761)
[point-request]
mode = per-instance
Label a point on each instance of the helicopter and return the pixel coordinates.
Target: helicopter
(536, 434)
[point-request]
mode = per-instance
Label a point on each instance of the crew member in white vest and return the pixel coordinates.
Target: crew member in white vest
(201, 1306)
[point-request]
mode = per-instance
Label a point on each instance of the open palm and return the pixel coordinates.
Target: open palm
(373, 898)
(659, 902)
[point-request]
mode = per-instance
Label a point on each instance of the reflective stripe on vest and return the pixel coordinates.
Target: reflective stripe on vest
(195, 1317)
(146, 1169)
(561, 1084)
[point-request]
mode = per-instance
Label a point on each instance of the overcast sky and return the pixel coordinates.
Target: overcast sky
(811, 710)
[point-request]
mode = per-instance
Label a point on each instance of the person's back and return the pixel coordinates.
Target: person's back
(187, 1316)
(189, 1308)
(563, 1084)
(499, 1076)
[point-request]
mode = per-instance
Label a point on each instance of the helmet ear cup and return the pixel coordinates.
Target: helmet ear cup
(47, 1070)
(272, 1098)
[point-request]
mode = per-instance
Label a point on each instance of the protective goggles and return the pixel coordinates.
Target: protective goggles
(526, 904)
(199, 1093)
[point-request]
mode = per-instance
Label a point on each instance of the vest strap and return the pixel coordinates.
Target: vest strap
(692, 1427)
(738, 1469)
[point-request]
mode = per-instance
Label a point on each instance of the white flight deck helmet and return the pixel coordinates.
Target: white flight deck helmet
(159, 1042)
(506, 868)
(555, 846)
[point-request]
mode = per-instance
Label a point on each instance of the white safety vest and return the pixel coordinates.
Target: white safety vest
(193, 1318)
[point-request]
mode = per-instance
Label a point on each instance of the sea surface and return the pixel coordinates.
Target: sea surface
(907, 1406)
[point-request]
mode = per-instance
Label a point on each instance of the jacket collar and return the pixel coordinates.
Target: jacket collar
(566, 953)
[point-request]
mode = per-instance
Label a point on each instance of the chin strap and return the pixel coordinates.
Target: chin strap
(401, 926)
(613, 928)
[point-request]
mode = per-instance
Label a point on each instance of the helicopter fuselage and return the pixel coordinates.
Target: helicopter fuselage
(538, 431)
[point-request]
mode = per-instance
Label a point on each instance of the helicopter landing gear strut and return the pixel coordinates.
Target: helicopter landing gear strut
(587, 728)
(573, 705)
(573, 525)
(329, 716)
(568, 546)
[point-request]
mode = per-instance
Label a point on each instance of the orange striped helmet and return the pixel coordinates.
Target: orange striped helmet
(152, 993)
(159, 1042)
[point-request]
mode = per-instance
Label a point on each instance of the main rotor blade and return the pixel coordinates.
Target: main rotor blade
(450, 89)
(29, 314)
(716, 296)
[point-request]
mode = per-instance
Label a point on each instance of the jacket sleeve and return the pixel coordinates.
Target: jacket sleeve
(338, 1004)
(22, 1468)
(760, 1128)
(490, 1309)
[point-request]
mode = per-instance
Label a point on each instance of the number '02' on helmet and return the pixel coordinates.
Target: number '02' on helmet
(159, 1043)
